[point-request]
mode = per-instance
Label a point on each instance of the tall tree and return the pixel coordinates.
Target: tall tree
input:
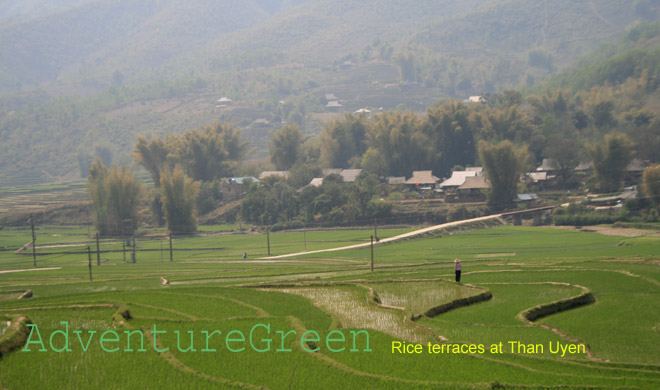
(343, 140)
(406, 65)
(179, 201)
(564, 152)
(503, 164)
(116, 196)
(610, 158)
(651, 184)
(152, 155)
(209, 153)
(451, 131)
(124, 193)
(237, 149)
(400, 139)
(96, 185)
(285, 146)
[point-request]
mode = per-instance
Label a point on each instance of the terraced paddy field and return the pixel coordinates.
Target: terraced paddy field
(538, 308)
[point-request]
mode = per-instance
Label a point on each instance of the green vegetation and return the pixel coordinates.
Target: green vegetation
(216, 290)
(106, 94)
(610, 160)
(285, 147)
(179, 201)
(651, 184)
(503, 166)
(115, 196)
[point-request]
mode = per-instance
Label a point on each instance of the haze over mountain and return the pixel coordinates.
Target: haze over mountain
(159, 65)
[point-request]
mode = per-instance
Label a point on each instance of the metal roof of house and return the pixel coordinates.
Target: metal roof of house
(527, 197)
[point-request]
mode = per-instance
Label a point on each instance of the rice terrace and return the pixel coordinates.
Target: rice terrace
(539, 307)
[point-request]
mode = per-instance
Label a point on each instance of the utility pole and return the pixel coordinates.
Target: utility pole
(98, 251)
(305, 236)
(89, 257)
(124, 226)
(372, 253)
(268, 238)
(134, 258)
(171, 255)
(34, 238)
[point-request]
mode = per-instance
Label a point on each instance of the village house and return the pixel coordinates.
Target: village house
(333, 105)
(634, 171)
(458, 178)
(472, 190)
(422, 178)
(530, 200)
(550, 166)
(234, 188)
(348, 176)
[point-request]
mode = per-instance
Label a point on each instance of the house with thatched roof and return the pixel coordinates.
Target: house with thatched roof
(422, 178)
(472, 189)
(350, 175)
(457, 179)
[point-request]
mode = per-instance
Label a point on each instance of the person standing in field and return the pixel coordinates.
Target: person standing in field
(457, 269)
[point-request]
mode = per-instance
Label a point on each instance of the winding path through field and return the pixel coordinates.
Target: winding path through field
(390, 239)
(9, 271)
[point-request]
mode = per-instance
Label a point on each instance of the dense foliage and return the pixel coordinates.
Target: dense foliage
(116, 195)
(274, 202)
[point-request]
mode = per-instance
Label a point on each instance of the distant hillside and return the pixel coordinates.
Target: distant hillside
(614, 62)
(13, 11)
(322, 31)
(77, 74)
(509, 44)
(127, 36)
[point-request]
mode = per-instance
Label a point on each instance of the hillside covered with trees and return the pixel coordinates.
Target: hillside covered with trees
(82, 77)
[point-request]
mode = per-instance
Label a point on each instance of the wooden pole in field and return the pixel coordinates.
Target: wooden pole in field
(34, 238)
(372, 253)
(134, 259)
(89, 257)
(98, 250)
(171, 255)
(305, 236)
(268, 239)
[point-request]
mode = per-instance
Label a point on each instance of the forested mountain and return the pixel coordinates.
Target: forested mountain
(122, 35)
(76, 75)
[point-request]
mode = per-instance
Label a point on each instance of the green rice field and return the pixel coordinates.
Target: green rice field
(537, 308)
